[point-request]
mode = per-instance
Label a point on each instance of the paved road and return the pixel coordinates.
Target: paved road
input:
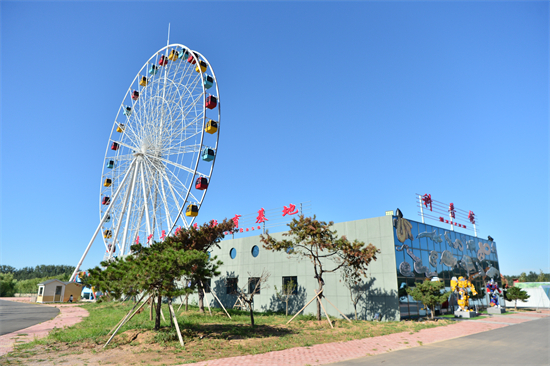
(521, 344)
(15, 315)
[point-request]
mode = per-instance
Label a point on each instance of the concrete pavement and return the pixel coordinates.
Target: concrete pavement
(521, 344)
(335, 352)
(68, 314)
(16, 315)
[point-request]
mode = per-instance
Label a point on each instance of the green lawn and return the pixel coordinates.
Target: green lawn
(206, 337)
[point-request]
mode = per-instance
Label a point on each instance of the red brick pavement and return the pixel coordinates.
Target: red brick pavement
(334, 352)
(69, 314)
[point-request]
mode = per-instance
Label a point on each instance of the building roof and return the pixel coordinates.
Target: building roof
(49, 281)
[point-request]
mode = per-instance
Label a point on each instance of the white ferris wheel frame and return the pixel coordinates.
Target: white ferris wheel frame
(140, 166)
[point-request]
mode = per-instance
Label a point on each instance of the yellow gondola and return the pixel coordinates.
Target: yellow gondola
(120, 127)
(107, 182)
(173, 56)
(202, 66)
(211, 127)
(192, 210)
(143, 81)
(107, 234)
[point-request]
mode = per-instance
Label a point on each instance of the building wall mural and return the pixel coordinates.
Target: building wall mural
(425, 251)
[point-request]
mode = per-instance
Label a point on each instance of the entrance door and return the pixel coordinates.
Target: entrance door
(57, 297)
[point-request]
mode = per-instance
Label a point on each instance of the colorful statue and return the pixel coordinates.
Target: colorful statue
(493, 291)
(460, 288)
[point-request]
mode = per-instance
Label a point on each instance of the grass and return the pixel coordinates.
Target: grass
(206, 337)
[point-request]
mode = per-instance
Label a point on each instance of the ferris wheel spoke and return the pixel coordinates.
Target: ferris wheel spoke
(154, 189)
(146, 201)
(165, 202)
(184, 186)
(125, 233)
(182, 167)
(133, 148)
(122, 212)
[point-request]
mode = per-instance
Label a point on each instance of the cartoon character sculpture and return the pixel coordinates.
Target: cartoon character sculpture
(460, 288)
(493, 291)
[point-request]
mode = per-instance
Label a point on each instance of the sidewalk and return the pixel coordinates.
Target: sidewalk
(69, 314)
(334, 352)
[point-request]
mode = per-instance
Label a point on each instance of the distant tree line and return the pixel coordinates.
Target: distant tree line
(531, 277)
(41, 271)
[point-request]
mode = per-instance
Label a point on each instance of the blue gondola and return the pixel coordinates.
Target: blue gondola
(153, 69)
(184, 54)
(208, 154)
(128, 111)
(111, 164)
(208, 81)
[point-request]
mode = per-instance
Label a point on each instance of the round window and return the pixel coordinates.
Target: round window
(233, 253)
(255, 251)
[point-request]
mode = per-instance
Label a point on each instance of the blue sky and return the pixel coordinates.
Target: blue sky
(354, 106)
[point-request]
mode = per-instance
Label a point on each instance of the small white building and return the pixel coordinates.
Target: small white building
(58, 291)
(539, 295)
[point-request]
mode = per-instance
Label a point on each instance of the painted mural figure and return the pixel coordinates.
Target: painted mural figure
(405, 268)
(493, 291)
(460, 288)
(402, 227)
(435, 237)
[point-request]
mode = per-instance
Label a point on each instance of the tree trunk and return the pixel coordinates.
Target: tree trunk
(433, 312)
(151, 302)
(201, 298)
(355, 309)
(251, 315)
(159, 305)
(186, 302)
(286, 306)
(319, 299)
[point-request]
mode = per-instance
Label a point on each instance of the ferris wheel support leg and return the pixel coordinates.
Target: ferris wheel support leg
(73, 276)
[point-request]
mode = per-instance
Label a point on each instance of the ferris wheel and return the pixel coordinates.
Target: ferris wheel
(161, 151)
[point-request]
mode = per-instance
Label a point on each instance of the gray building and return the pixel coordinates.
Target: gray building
(397, 265)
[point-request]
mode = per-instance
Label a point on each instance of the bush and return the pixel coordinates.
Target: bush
(7, 285)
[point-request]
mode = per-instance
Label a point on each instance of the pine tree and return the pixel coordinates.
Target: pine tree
(158, 268)
(429, 293)
(515, 294)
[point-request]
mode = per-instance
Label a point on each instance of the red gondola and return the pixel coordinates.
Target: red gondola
(106, 200)
(163, 60)
(193, 59)
(114, 146)
(135, 95)
(201, 183)
(211, 102)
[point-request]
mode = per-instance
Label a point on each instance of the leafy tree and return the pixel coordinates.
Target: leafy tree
(7, 285)
(515, 294)
(6, 269)
(314, 239)
(287, 290)
(522, 277)
(429, 293)
(542, 277)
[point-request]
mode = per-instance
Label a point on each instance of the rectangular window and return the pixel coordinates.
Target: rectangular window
(290, 281)
(231, 286)
(41, 291)
(252, 282)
